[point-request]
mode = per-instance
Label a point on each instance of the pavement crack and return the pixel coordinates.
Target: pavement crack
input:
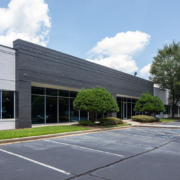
(98, 177)
(121, 160)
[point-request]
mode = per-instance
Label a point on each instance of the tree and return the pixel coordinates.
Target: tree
(96, 100)
(165, 71)
(149, 103)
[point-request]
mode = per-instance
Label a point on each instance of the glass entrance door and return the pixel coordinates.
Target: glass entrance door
(125, 111)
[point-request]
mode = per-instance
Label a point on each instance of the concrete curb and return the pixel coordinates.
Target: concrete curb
(157, 126)
(16, 140)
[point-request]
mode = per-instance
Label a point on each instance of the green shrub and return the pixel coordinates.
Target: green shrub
(63, 118)
(86, 123)
(110, 121)
(145, 118)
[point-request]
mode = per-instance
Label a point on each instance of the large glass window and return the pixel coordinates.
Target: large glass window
(133, 112)
(53, 106)
(37, 90)
(83, 115)
(129, 110)
(0, 104)
(63, 109)
(126, 107)
(51, 109)
(63, 93)
(51, 92)
(73, 94)
(7, 104)
(74, 115)
(167, 108)
(37, 107)
(120, 113)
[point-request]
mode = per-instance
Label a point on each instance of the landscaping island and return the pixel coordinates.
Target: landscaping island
(38, 131)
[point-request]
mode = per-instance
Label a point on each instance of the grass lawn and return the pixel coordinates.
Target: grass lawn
(9, 134)
(167, 120)
(18, 133)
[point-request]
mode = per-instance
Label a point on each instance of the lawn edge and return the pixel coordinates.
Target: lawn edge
(16, 140)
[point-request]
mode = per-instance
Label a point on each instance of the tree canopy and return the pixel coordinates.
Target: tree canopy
(165, 71)
(149, 103)
(96, 100)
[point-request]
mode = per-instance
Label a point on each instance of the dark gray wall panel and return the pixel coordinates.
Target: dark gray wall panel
(46, 66)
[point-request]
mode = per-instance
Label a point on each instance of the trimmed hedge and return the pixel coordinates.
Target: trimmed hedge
(86, 123)
(110, 121)
(145, 118)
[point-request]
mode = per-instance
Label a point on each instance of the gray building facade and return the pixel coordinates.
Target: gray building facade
(43, 77)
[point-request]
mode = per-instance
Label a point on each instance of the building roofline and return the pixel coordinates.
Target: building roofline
(79, 58)
(7, 47)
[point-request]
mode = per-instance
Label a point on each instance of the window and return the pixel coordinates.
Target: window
(73, 94)
(0, 104)
(37, 108)
(176, 110)
(74, 115)
(7, 104)
(51, 109)
(83, 115)
(51, 92)
(63, 109)
(167, 108)
(37, 90)
(63, 93)
(54, 106)
(126, 107)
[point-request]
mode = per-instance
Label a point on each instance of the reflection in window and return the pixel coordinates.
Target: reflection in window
(63, 109)
(126, 107)
(120, 113)
(98, 116)
(83, 115)
(0, 104)
(51, 92)
(7, 104)
(63, 93)
(51, 109)
(129, 110)
(73, 94)
(37, 90)
(133, 112)
(37, 109)
(74, 115)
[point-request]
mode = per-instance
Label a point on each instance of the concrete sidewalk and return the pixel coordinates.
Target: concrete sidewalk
(153, 125)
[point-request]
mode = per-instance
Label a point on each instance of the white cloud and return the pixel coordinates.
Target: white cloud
(117, 52)
(144, 72)
(25, 19)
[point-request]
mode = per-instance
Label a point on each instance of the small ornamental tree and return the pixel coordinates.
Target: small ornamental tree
(150, 104)
(96, 100)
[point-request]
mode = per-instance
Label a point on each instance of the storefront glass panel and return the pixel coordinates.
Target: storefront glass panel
(37, 107)
(51, 92)
(74, 115)
(83, 115)
(37, 90)
(0, 104)
(7, 105)
(63, 109)
(51, 109)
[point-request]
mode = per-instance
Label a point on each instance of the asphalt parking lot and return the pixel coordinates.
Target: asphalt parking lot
(126, 154)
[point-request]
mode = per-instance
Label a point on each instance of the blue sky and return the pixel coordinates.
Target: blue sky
(75, 27)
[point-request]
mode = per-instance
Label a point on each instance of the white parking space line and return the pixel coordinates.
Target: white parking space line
(36, 162)
(85, 148)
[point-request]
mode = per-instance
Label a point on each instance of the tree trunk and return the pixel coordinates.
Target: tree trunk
(92, 116)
